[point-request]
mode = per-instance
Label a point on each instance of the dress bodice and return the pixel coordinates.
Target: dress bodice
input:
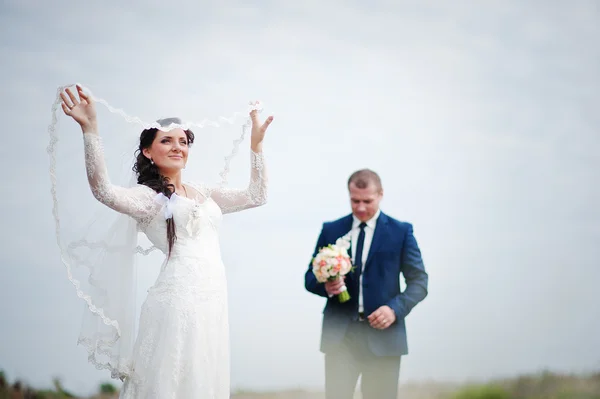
(197, 224)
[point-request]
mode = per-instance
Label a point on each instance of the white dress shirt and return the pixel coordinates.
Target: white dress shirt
(369, 230)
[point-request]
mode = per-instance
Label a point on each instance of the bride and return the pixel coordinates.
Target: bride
(181, 349)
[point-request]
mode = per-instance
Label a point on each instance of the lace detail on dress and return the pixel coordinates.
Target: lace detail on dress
(182, 349)
(137, 202)
(234, 200)
(257, 160)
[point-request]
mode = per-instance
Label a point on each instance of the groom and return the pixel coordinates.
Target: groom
(366, 336)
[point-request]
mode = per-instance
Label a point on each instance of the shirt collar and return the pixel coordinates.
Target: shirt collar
(370, 223)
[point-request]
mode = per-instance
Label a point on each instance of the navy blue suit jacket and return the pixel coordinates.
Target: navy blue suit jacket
(394, 250)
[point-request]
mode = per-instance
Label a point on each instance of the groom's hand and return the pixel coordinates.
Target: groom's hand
(335, 287)
(382, 318)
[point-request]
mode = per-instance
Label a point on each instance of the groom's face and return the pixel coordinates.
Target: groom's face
(365, 201)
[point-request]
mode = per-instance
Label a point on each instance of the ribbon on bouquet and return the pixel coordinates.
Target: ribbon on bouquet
(168, 203)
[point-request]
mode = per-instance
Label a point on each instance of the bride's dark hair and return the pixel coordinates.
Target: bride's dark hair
(149, 175)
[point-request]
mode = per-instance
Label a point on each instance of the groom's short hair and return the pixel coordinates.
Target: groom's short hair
(363, 177)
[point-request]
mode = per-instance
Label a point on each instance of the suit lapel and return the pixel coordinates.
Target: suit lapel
(345, 227)
(378, 237)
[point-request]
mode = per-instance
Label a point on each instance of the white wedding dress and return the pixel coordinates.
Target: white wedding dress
(182, 345)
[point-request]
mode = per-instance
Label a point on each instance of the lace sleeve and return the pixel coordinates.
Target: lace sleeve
(133, 201)
(235, 200)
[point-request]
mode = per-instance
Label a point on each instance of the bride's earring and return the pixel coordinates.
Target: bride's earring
(151, 161)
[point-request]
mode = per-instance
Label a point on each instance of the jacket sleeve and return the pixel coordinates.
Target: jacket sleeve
(415, 276)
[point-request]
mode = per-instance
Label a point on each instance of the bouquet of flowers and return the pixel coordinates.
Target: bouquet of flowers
(332, 262)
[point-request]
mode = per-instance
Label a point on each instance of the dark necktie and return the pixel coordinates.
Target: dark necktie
(359, 250)
(358, 264)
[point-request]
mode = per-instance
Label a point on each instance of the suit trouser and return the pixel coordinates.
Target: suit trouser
(379, 374)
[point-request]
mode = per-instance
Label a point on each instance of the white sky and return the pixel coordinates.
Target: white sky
(481, 118)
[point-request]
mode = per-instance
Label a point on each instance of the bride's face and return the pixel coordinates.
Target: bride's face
(169, 150)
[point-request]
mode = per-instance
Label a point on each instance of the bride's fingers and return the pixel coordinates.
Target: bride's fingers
(65, 109)
(254, 116)
(82, 95)
(72, 97)
(267, 123)
(254, 112)
(66, 101)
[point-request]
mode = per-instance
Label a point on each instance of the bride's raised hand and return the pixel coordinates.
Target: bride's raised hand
(83, 111)
(258, 129)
